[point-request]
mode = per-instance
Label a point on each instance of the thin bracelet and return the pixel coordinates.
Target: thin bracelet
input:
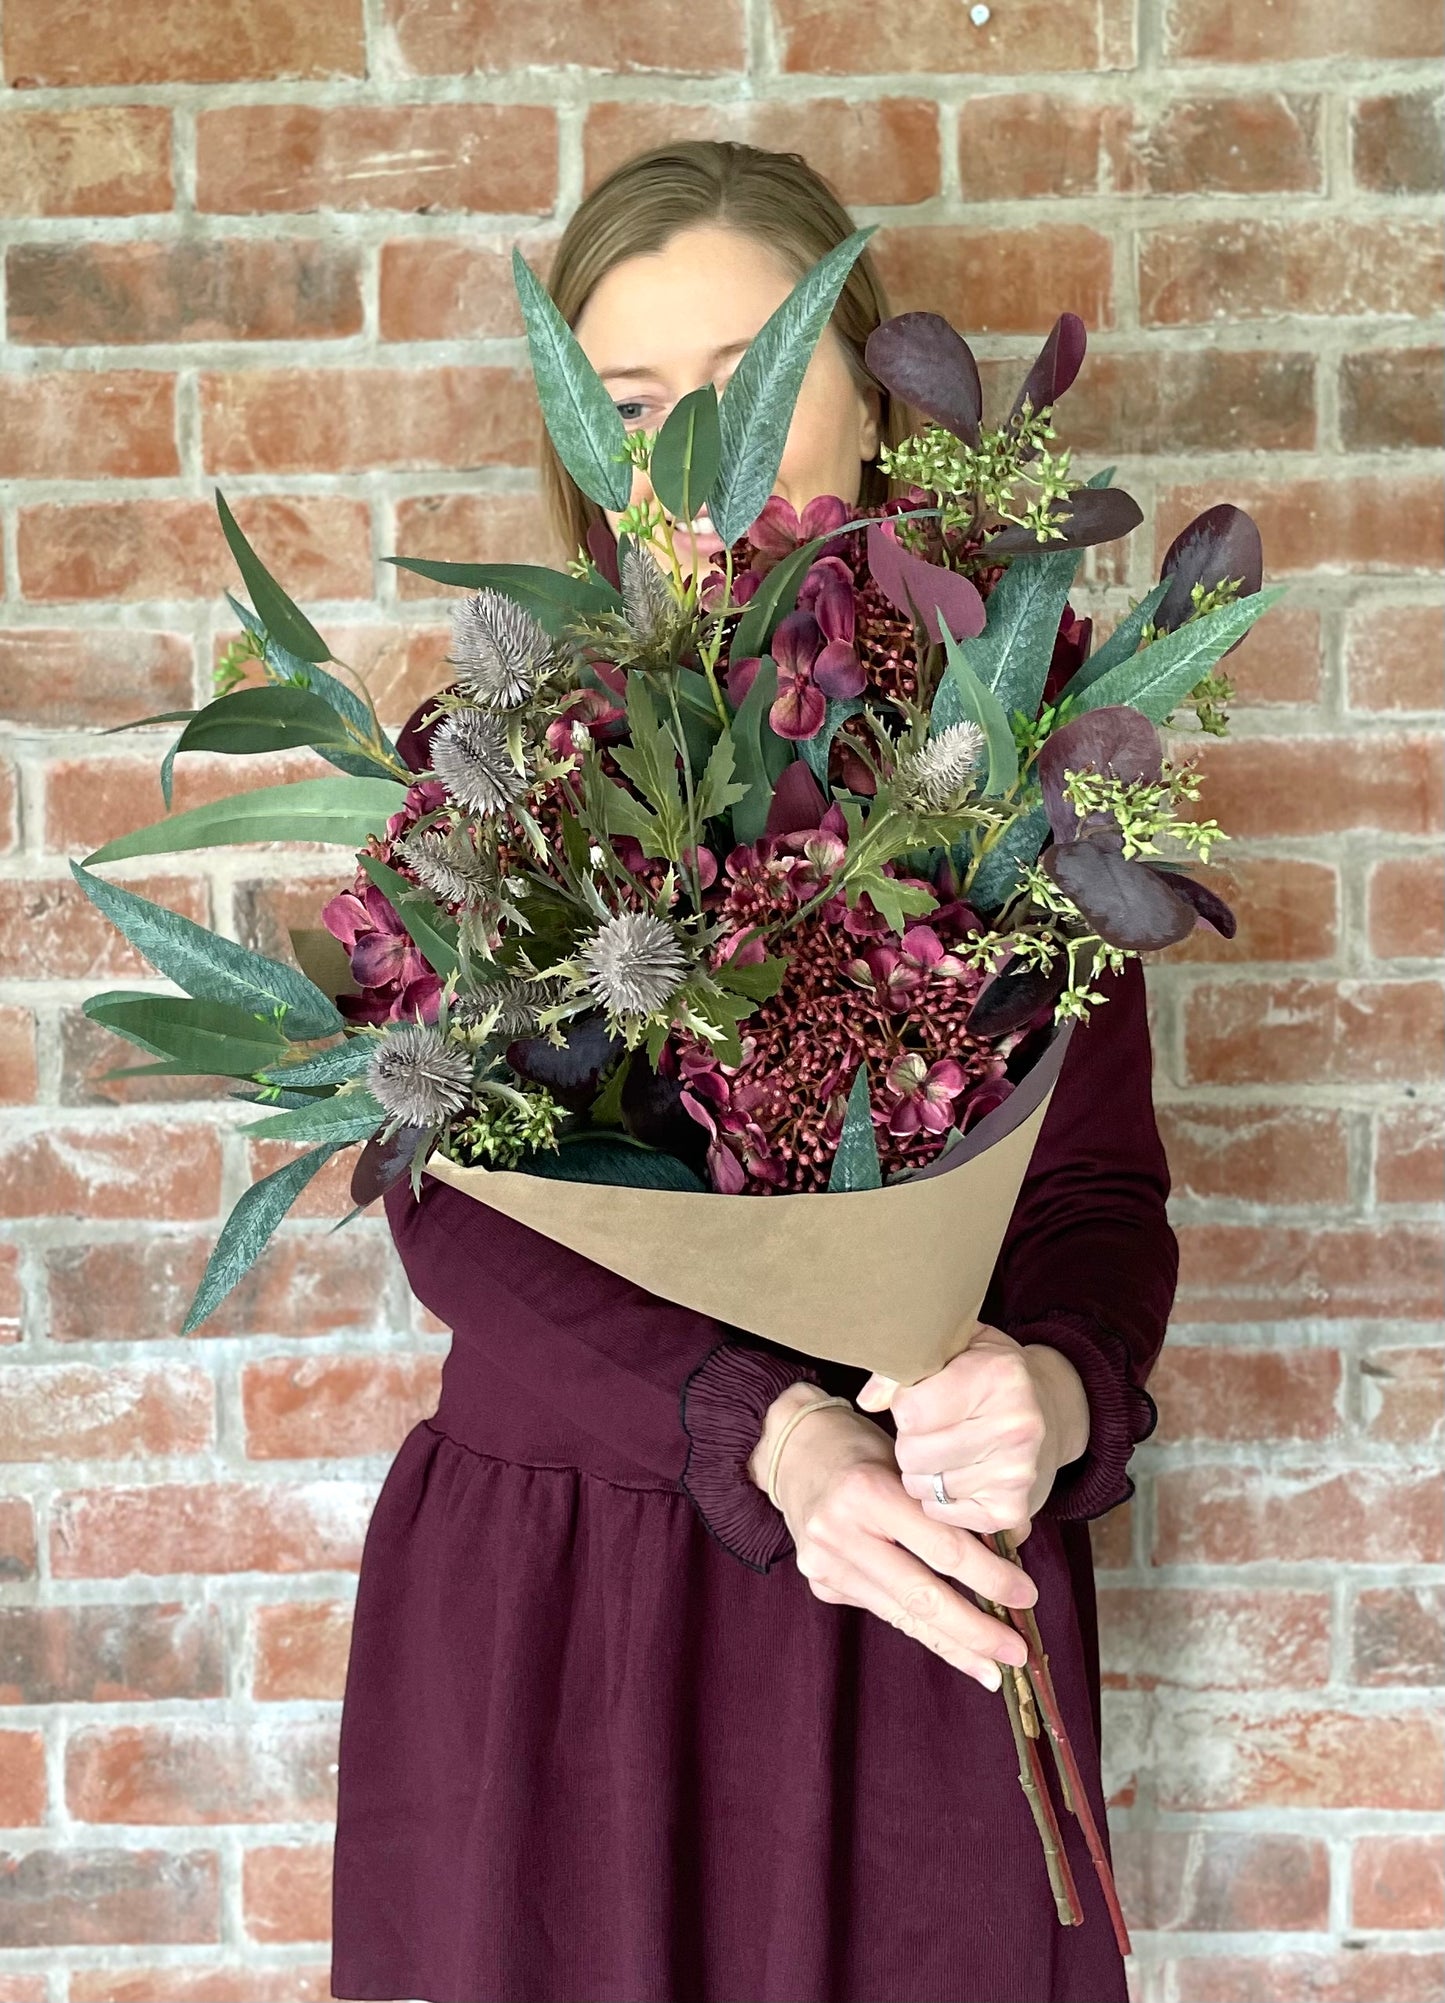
(818, 1405)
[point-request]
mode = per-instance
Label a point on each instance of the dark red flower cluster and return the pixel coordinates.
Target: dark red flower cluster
(396, 983)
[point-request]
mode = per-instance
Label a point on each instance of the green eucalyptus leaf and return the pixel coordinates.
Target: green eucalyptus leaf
(551, 596)
(344, 1116)
(856, 1164)
(1156, 680)
(1121, 644)
(140, 722)
(344, 811)
(997, 876)
(582, 420)
(328, 1067)
(209, 967)
(1011, 656)
(685, 454)
(757, 405)
(976, 701)
(201, 1038)
(247, 1231)
(287, 670)
(273, 718)
(285, 622)
(750, 730)
(430, 929)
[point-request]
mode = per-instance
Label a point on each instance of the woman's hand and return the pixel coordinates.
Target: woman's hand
(861, 1541)
(998, 1422)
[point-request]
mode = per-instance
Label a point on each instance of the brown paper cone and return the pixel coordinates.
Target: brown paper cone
(888, 1279)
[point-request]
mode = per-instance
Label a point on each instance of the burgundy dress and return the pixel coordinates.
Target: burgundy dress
(601, 1744)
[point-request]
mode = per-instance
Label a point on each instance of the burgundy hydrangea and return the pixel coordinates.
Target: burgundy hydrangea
(395, 981)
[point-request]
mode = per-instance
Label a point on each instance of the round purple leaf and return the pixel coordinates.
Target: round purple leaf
(1116, 742)
(920, 358)
(1127, 903)
(1015, 997)
(1089, 515)
(1208, 905)
(1221, 543)
(922, 590)
(1058, 363)
(572, 1073)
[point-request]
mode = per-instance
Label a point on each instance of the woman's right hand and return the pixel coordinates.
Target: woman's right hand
(863, 1541)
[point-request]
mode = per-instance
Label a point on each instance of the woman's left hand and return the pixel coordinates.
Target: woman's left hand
(998, 1422)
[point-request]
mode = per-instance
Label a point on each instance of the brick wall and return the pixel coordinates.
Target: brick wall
(266, 244)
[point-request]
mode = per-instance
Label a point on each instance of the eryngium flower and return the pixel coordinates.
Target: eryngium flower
(647, 598)
(469, 755)
(420, 1077)
(936, 777)
(450, 865)
(517, 1003)
(500, 651)
(635, 964)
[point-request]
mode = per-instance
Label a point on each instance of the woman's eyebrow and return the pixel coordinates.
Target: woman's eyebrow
(644, 373)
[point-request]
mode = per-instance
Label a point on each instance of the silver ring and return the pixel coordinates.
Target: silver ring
(941, 1492)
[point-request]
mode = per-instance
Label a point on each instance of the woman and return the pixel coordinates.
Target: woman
(616, 1729)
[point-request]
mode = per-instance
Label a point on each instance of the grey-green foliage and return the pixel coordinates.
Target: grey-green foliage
(247, 1231)
(856, 1164)
(582, 420)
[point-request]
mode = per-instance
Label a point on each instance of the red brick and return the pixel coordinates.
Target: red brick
(401, 666)
(1402, 1392)
(107, 160)
(89, 1897)
(423, 157)
(92, 800)
(449, 288)
(1397, 1881)
(19, 1082)
(1178, 400)
(1313, 1032)
(309, 1407)
(111, 1654)
(86, 42)
(1013, 146)
(1248, 1272)
(1322, 785)
(286, 1891)
(1407, 908)
(302, 1651)
(328, 1195)
(216, 289)
(17, 1539)
(268, 909)
(1346, 1976)
(1410, 1155)
(1393, 655)
(22, 1779)
(857, 37)
(1014, 281)
(304, 1283)
(881, 151)
(360, 420)
(1192, 273)
(1216, 1392)
(24, 1989)
(188, 1774)
(1220, 1881)
(1366, 522)
(88, 1052)
(1256, 1153)
(1391, 398)
(68, 426)
(1223, 1758)
(470, 528)
(316, 545)
(196, 1983)
(1280, 660)
(144, 1171)
(1262, 144)
(210, 1527)
(1397, 1636)
(76, 1411)
(1271, 1515)
(1192, 1638)
(51, 679)
(436, 38)
(54, 925)
(1397, 144)
(1286, 911)
(1301, 31)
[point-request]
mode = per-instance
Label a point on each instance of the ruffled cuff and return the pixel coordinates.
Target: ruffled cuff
(1121, 1413)
(724, 1403)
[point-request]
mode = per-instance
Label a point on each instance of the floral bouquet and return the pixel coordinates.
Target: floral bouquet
(786, 880)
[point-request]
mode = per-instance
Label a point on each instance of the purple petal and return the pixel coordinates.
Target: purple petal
(839, 672)
(924, 590)
(1059, 361)
(777, 529)
(920, 358)
(379, 958)
(799, 711)
(741, 676)
(822, 514)
(797, 804)
(796, 643)
(829, 597)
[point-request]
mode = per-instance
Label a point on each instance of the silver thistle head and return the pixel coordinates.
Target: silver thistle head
(635, 964)
(419, 1077)
(652, 611)
(514, 1002)
(471, 757)
(936, 777)
(500, 651)
(450, 865)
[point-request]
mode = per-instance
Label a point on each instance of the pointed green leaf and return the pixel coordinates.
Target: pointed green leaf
(997, 876)
(247, 1231)
(209, 967)
(1158, 679)
(816, 749)
(551, 596)
(582, 420)
(203, 1038)
(285, 669)
(285, 622)
(345, 1116)
(140, 722)
(750, 729)
(976, 701)
(344, 811)
(717, 789)
(252, 720)
(327, 1067)
(428, 927)
(1121, 644)
(685, 454)
(757, 405)
(759, 980)
(856, 1164)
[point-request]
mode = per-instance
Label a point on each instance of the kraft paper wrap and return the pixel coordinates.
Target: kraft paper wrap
(888, 1279)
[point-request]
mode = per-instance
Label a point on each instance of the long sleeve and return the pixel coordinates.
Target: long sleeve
(1090, 1263)
(661, 1387)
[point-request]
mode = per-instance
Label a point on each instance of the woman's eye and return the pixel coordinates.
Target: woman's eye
(631, 411)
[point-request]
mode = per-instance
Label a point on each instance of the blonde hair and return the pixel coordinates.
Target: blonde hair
(776, 198)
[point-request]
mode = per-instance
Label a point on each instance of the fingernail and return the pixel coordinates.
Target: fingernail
(992, 1678)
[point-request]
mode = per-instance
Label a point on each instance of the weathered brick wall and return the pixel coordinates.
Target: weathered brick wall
(265, 244)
